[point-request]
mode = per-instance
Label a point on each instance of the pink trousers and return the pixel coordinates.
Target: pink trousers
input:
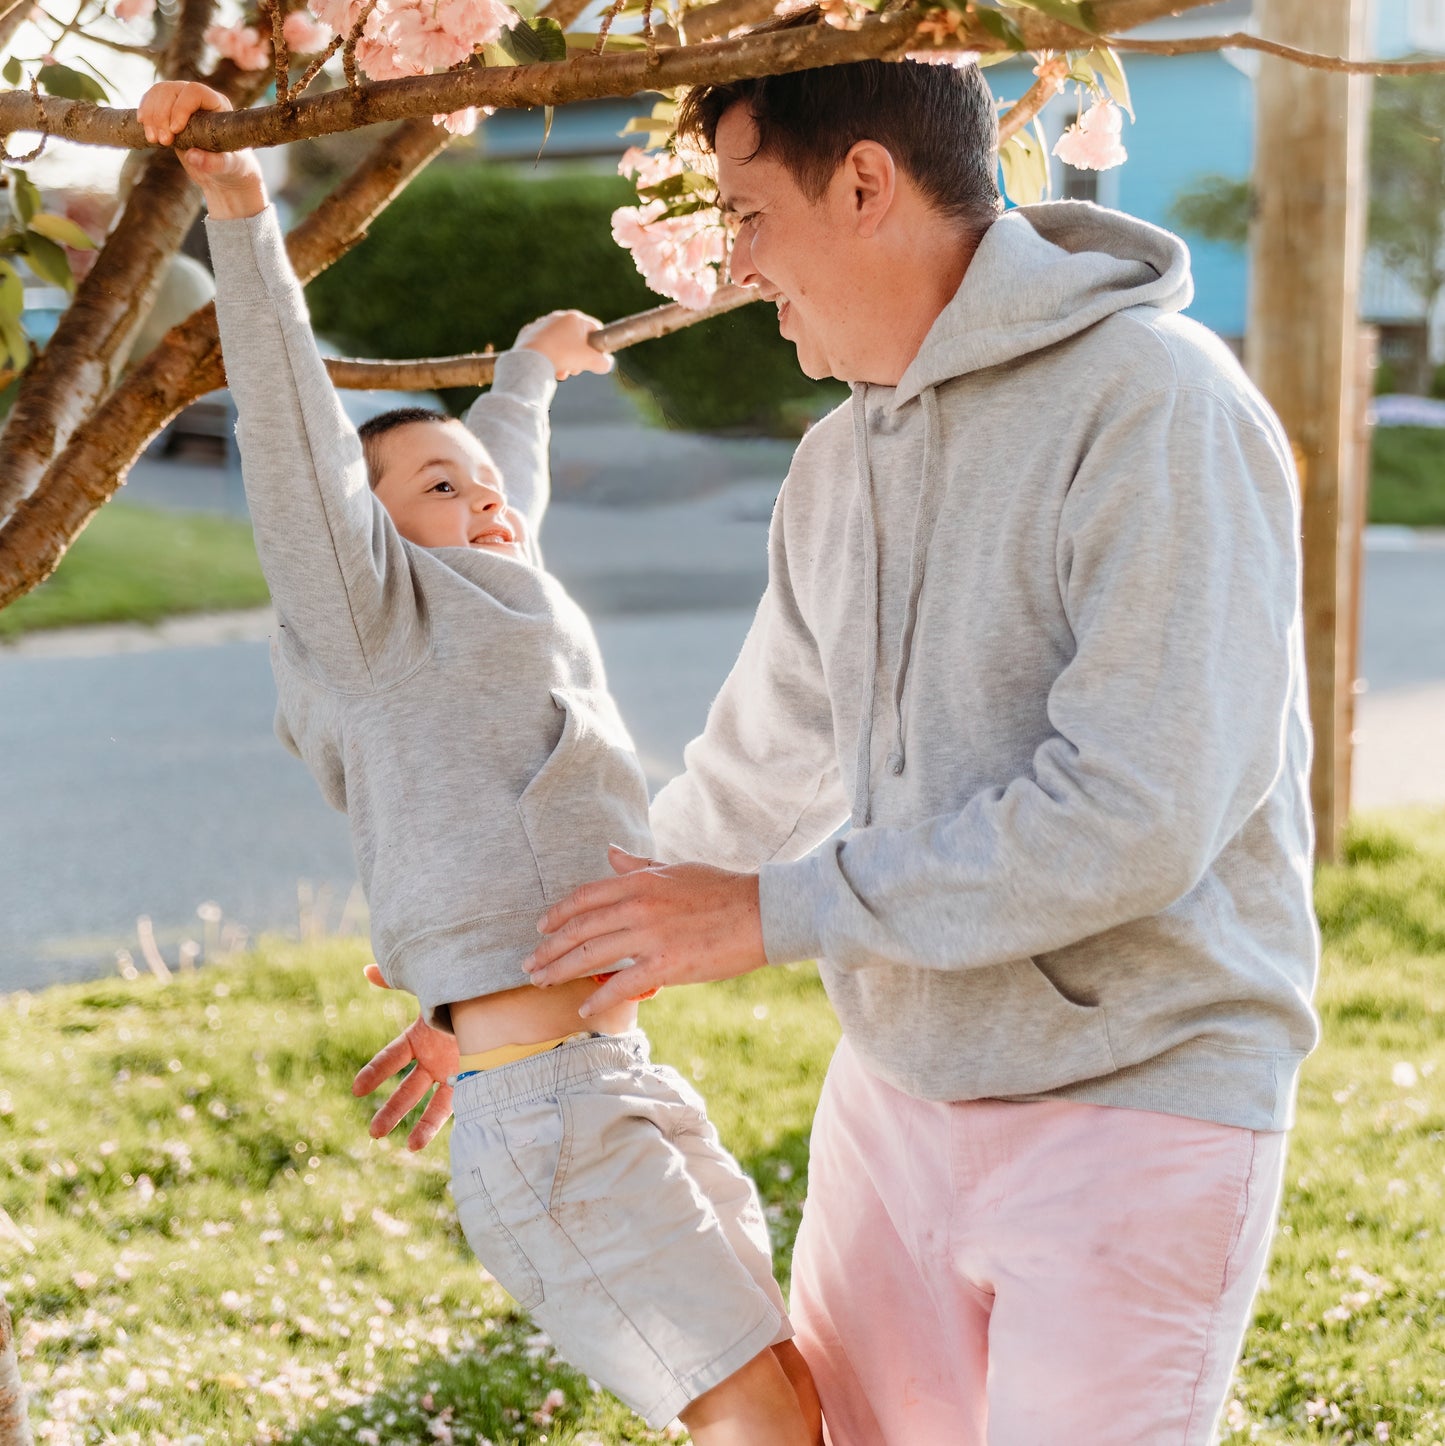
(1045, 1274)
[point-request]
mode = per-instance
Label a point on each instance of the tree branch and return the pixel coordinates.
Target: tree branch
(185, 365)
(474, 369)
(182, 60)
(1050, 82)
(1193, 45)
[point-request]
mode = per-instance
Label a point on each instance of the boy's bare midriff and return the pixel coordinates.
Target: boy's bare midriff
(529, 1015)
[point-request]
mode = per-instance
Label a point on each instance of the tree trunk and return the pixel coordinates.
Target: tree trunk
(14, 1416)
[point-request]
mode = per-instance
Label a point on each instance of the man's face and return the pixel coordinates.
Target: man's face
(795, 250)
(442, 489)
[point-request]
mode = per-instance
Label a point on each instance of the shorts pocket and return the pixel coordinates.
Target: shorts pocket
(494, 1244)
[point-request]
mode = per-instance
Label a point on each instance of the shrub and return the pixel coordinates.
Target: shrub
(467, 254)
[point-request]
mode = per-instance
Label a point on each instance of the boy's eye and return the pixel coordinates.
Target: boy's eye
(443, 487)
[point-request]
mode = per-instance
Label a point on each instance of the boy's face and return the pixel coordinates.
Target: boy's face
(442, 489)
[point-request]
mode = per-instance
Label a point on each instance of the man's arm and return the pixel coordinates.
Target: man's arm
(761, 783)
(1178, 566)
(337, 569)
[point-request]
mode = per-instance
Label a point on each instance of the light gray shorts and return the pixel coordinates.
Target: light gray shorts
(591, 1185)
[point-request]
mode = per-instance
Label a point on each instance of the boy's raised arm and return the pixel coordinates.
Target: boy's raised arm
(511, 420)
(338, 571)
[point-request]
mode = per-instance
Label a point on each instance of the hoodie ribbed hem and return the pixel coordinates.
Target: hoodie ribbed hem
(464, 961)
(787, 898)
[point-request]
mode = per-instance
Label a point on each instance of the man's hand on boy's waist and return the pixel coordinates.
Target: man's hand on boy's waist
(680, 923)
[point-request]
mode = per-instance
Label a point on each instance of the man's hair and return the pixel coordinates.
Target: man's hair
(937, 121)
(375, 428)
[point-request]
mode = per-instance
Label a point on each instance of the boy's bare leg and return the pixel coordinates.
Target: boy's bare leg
(790, 1358)
(755, 1406)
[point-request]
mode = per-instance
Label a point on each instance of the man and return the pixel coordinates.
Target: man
(1032, 628)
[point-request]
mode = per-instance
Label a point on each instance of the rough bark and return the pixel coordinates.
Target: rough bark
(82, 359)
(14, 1416)
(186, 364)
(183, 55)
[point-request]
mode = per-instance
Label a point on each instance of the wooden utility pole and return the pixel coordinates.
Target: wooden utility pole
(1307, 245)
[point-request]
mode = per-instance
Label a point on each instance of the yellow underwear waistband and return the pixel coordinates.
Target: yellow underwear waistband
(511, 1053)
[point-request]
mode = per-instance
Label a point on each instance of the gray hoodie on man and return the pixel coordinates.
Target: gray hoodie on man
(450, 701)
(1032, 628)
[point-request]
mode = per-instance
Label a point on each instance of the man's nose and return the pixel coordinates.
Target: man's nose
(741, 271)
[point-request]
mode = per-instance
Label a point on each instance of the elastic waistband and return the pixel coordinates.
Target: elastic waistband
(505, 1054)
(542, 1075)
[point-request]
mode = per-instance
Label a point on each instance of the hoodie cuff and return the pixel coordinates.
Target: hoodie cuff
(789, 898)
(526, 375)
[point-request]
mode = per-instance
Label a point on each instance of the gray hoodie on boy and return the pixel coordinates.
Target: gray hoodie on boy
(1033, 627)
(450, 701)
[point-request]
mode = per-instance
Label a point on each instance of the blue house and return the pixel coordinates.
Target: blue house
(1196, 118)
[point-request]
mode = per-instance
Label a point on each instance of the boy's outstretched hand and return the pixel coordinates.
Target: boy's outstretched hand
(561, 337)
(230, 181)
(436, 1057)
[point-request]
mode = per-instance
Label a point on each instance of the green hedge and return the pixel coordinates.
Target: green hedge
(467, 254)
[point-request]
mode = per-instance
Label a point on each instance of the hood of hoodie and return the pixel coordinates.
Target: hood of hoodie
(1042, 274)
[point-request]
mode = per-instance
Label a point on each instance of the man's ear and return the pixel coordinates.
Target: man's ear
(872, 178)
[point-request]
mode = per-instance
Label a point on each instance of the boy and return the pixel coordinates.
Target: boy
(448, 696)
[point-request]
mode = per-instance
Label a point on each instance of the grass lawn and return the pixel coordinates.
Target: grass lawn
(133, 564)
(1407, 482)
(220, 1253)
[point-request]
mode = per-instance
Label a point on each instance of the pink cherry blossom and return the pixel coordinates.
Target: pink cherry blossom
(461, 122)
(1093, 143)
(381, 60)
(473, 22)
(678, 256)
(241, 44)
(134, 9)
(650, 169)
(420, 42)
(304, 33)
(340, 15)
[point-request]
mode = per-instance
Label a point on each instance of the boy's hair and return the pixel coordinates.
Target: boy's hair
(938, 122)
(375, 428)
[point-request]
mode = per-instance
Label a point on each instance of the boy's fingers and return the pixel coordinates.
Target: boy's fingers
(382, 1065)
(406, 1098)
(436, 1114)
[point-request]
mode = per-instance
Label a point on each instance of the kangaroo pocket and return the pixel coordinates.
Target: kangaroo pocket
(1055, 1041)
(589, 793)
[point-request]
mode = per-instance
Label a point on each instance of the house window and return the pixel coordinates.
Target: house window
(1427, 24)
(1080, 185)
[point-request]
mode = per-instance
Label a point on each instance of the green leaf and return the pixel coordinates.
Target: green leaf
(13, 71)
(48, 261)
(1000, 27)
(689, 183)
(581, 40)
(1110, 69)
(24, 197)
(16, 344)
(68, 84)
(1077, 13)
(542, 40)
(646, 125)
(62, 229)
(12, 292)
(1025, 161)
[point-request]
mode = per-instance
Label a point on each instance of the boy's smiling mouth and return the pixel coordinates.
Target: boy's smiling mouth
(494, 537)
